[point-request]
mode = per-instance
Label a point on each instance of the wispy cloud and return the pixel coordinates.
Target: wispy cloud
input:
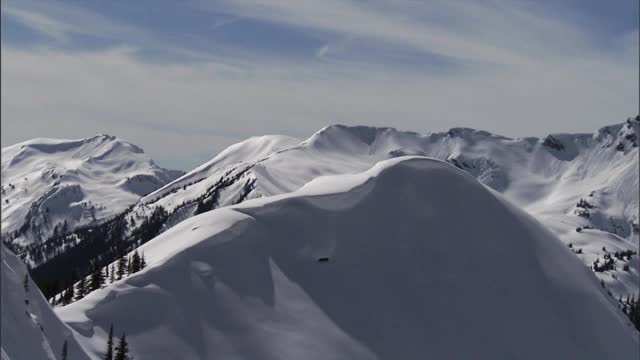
(44, 25)
(502, 32)
(61, 21)
(520, 71)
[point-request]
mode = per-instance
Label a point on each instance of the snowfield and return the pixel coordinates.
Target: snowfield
(424, 262)
(356, 243)
(548, 177)
(47, 183)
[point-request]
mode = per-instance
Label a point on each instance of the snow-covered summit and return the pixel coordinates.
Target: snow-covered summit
(546, 176)
(422, 262)
(245, 152)
(53, 185)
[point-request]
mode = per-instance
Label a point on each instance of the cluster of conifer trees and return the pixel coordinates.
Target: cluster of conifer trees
(609, 262)
(126, 265)
(120, 352)
(631, 307)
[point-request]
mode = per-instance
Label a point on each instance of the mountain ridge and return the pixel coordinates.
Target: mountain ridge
(539, 174)
(253, 266)
(51, 184)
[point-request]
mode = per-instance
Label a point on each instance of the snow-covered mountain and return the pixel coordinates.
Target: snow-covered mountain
(412, 244)
(582, 186)
(52, 186)
(30, 328)
(548, 175)
(411, 259)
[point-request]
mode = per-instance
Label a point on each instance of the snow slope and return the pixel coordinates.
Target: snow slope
(425, 262)
(248, 151)
(545, 176)
(47, 182)
(30, 331)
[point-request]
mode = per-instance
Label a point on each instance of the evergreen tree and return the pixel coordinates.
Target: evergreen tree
(112, 273)
(123, 348)
(122, 268)
(71, 294)
(151, 226)
(66, 296)
(130, 265)
(143, 262)
(134, 264)
(634, 313)
(64, 350)
(96, 281)
(109, 355)
(82, 289)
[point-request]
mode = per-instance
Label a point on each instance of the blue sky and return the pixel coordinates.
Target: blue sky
(202, 74)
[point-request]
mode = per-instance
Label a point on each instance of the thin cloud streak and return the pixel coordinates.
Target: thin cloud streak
(42, 24)
(520, 74)
(114, 92)
(502, 32)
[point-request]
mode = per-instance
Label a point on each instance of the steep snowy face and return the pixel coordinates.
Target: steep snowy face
(30, 328)
(411, 259)
(53, 186)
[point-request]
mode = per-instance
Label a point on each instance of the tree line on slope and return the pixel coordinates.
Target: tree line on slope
(70, 256)
(120, 352)
(631, 307)
(126, 265)
(96, 248)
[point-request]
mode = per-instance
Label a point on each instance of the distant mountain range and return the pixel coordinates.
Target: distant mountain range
(55, 186)
(384, 211)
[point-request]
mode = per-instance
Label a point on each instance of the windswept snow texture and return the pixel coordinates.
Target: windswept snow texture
(424, 263)
(30, 331)
(46, 182)
(547, 177)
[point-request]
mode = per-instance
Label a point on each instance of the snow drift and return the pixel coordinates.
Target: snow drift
(424, 262)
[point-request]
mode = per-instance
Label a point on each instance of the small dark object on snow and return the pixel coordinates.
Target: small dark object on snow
(323, 259)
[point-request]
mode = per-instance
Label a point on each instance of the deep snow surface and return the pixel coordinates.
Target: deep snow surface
(425, 262)
(547, 177)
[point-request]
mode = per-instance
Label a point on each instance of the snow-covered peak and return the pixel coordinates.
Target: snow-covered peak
(49, 182)
(80, 149)
(417, 259)
(343, 133)
(546, 176)
(248, 151)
